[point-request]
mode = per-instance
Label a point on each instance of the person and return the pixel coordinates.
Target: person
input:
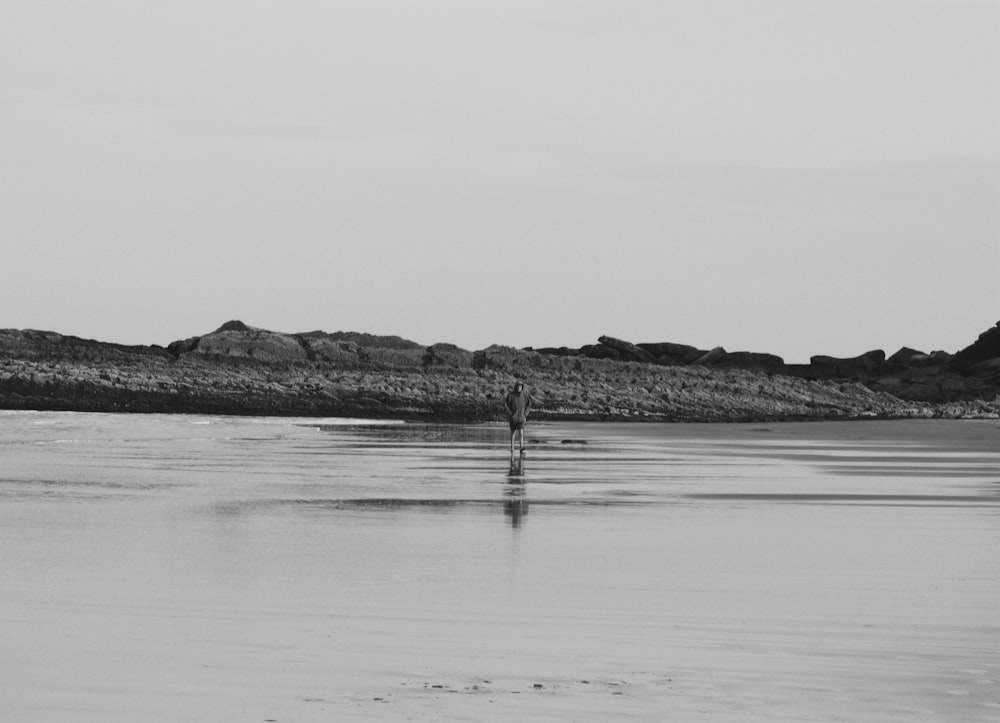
(518, 403)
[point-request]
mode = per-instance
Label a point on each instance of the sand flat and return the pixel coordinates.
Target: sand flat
(163, 568)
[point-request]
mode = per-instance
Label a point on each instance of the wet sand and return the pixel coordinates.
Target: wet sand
(199, 569)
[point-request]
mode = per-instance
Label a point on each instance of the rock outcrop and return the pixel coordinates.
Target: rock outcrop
(938, 377)
(834, 367)
(240, 369)
(447, 355)
(234, 339)
(986, 347)
(669, 353)
(752, 360)
(626, 351)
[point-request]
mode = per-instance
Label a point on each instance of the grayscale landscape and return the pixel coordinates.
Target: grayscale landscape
(273, 271)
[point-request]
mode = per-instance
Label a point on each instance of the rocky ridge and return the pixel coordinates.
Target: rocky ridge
(239, 369)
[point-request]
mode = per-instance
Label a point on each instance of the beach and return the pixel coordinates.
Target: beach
(196, 568)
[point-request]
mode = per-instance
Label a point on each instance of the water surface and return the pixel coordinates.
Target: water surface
(252, 569)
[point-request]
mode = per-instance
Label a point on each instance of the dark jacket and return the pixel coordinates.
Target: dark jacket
(518, 404)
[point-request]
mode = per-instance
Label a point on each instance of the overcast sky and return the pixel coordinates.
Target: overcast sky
(793, 176)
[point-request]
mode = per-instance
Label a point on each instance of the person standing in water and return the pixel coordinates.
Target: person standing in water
(518, 403)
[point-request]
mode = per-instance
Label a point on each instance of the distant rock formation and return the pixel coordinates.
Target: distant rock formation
(240, 369)
(627, 351)
(906, 356)
(833, 367)
(447, 355)
(985, 348)
(669, 353)
(234, 339)
(752, 360)
(711, 357)
(972, 374)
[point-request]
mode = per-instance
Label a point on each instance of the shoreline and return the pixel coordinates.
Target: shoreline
(953, 411)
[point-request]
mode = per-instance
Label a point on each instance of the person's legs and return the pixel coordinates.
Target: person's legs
(516, 431)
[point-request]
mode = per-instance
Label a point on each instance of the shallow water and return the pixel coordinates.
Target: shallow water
(251, 569)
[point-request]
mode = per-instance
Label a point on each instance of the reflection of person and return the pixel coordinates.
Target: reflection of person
(515, 505)
(518, 403)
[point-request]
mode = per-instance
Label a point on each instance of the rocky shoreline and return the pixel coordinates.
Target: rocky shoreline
(239, 369)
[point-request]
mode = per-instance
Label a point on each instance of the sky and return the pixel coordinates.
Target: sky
(796, 177)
